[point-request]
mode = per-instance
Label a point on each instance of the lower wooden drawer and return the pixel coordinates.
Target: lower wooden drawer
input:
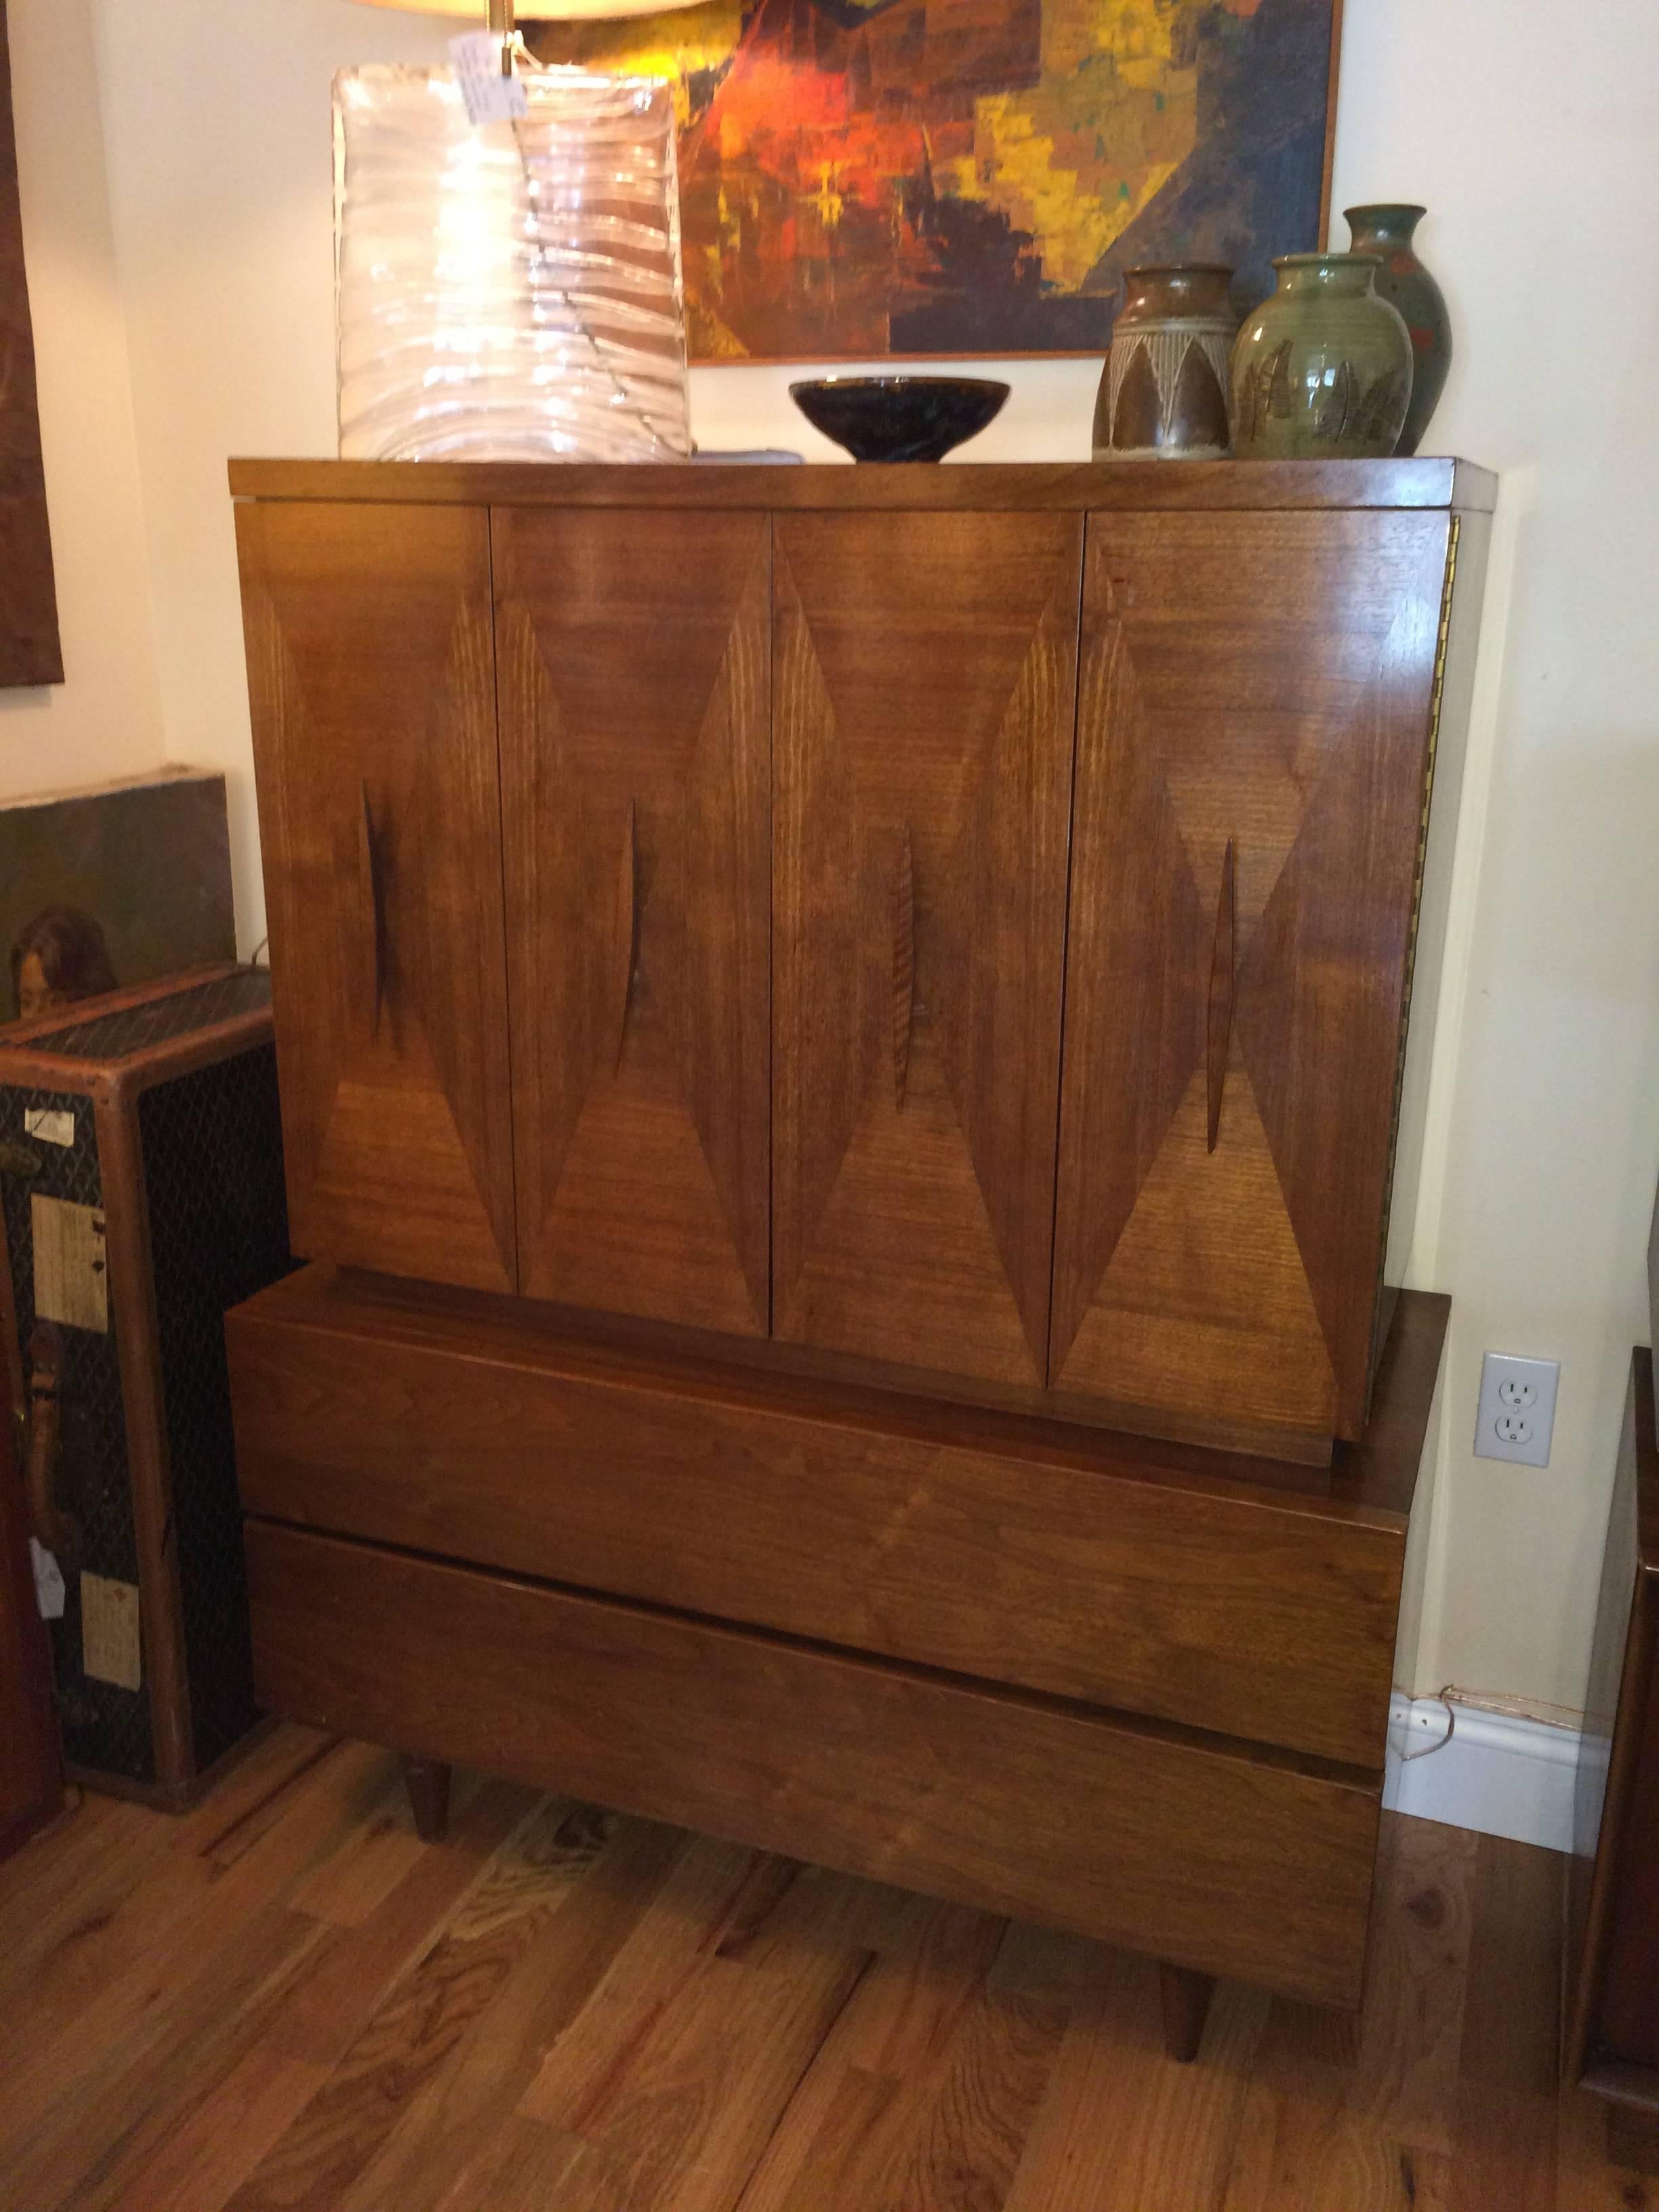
(1196, 1849)
(1128, 1574)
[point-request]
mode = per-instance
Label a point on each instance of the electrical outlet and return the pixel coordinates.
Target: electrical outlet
(1516, 1418)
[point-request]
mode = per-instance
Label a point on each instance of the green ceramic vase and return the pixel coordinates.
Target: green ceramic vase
(1322, 370)
(1385, 229)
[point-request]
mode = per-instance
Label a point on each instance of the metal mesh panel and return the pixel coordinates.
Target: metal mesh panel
(132, 1029)
(104, 1726)
(213, 1174)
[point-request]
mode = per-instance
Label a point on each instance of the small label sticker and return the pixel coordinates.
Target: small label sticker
(71, 1275)
(110, 1644)
(48, 1580)
(53, 1125)
(487, 94)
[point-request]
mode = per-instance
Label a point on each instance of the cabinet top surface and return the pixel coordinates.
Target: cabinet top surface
(1184, 487)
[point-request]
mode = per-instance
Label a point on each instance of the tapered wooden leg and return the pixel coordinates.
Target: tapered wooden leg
(427, 1781)
(1186, 1997)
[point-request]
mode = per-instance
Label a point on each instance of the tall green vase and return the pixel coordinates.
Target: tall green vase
(1322, 370)
(1386, 228)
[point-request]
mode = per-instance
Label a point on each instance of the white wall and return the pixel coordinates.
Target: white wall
(105, 720)
(1526, 128)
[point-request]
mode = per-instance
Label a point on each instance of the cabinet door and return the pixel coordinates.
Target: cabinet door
(634, 654)
(371, 675)
(924, 697)
(1253, 745)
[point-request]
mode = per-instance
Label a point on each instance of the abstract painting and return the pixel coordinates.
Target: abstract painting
(861, 178)
(30, 650)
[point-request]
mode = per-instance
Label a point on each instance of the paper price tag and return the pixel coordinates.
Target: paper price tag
(111, 1642)
(52, 1125)
(48, 1582)
(487, 95)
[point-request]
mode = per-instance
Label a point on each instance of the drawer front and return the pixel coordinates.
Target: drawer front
(1254, 1618)
(1196, 1853)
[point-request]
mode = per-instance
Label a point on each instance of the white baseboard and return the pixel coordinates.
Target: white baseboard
(1494, 1772)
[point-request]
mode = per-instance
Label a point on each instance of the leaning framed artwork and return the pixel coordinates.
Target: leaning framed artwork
(937, 178)
(30, 650)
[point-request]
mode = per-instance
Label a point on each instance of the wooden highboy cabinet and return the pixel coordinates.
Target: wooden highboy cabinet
(844, 1047)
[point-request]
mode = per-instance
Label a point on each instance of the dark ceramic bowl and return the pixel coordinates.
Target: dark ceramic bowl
(899, 418)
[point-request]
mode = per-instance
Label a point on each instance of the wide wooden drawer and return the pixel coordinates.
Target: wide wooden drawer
(1097, 1569)
(1192, 1850)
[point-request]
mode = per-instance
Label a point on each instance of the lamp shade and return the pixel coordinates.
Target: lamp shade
(534, 11)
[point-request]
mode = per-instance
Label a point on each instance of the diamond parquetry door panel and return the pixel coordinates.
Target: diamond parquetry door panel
(634, 652)
(371, 676)
(924, 697)
(1254, 726)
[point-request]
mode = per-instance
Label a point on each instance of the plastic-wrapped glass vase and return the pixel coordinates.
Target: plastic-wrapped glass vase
(508, 291)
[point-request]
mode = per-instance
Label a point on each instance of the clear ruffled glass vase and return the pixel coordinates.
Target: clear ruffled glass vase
(508, 291)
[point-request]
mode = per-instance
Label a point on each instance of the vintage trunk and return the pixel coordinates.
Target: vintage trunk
(141, 1170)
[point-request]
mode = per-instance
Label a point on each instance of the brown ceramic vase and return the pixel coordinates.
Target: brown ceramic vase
(1385, 227)
(1163, 390)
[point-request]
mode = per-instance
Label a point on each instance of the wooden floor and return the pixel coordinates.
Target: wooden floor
(285, 2000)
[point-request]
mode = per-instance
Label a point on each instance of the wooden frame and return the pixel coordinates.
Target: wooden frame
(906, 73)
(1611, 1889)
(30, 651)
(1097, 487)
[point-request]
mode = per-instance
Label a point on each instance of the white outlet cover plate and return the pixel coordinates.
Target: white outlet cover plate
(1516, 1392)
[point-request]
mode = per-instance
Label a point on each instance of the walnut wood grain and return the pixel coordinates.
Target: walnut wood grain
(1223, 978)
(1197, 1852)
(30, 652)
(923, 731)
(282, 2002)
(904, 964)
(371, 676)
(1218, 487)
(627, 931)
(1254, 718)
(31, 1762)
(1613, 1931)
(129, 1249)
(634, 656)
(1074, 1565)
(374, 906)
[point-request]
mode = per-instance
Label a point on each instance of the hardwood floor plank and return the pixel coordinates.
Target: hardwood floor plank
(326, 1987)
(346, 1889)
(1123, 2127)
(423, 2018)
(1351, 2114)
(683, 2127)
(257, 1790)
(1410, 2031)
(712, 1893)
(926, 2088)
(284, 2000)
(86, 2141)
(1597, 2172)
(1507, 2110)
(275, 1980)
(204, 2161)
(954, 2136)
(429, 2157)
(352, 1969)
(108, 1978)
(1306, 2149)
(523, 2169)
(298, 2026)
